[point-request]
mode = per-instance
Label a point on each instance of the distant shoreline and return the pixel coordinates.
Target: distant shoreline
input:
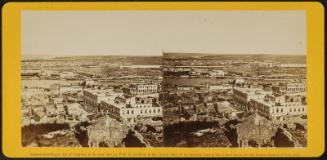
(164, 56)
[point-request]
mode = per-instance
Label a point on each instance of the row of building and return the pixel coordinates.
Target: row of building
(31, 73)
(140, 101)
(283, 100)
(212, 71)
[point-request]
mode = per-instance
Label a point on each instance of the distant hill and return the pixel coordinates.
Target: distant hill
(297, 59)
(95, 57)
(130, 60)
(36, 57)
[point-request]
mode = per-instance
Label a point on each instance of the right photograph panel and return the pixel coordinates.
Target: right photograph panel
(246, 92)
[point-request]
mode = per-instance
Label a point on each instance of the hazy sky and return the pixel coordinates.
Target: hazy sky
(67, 33)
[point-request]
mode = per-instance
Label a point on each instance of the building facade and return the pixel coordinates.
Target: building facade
(277, 107)
(217, 73)
(93, 98)
(287, 88)
(242, 96)
(67, 75)
(131, 108)
(136, 89)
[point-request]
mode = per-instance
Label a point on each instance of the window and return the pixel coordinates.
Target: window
(277, 110)
(132, 111)
(281, 110)
(127, 111)
(302, 109)
(158, 110)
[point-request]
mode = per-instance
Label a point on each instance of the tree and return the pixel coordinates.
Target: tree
(132, 141)
(66, 109)
(281, 140)
(253, 143)
(45, 109)
(103, 144)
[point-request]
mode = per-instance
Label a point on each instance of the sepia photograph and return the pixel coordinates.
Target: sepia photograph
(88, 80)
(164, 79)
(246, 88)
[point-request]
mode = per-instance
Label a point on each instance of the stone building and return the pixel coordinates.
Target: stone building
(255, 131)
(136, 89)
(278, 107)
(242, 96)
(92, 98)
(287, 88)
(129, 109)
(106, 132)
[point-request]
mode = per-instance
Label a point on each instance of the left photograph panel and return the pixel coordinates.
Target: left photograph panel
(81, 86)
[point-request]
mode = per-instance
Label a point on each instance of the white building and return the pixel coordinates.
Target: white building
(92, 98)
(69, 88)
(31, 71)
(56, 100)
(217, 73)
(32, 91)
(278, 107)
(67, 75)
(275, 106)
(212, 87)
(143, 102)
(239, 81)
(129, 109)
(291, 65)
(136, 89)
(185, 88)
(89, 82)
(289, 88)
(141, 66)
(242, 96)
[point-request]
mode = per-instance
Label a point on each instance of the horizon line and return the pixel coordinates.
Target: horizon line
(154, 55)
